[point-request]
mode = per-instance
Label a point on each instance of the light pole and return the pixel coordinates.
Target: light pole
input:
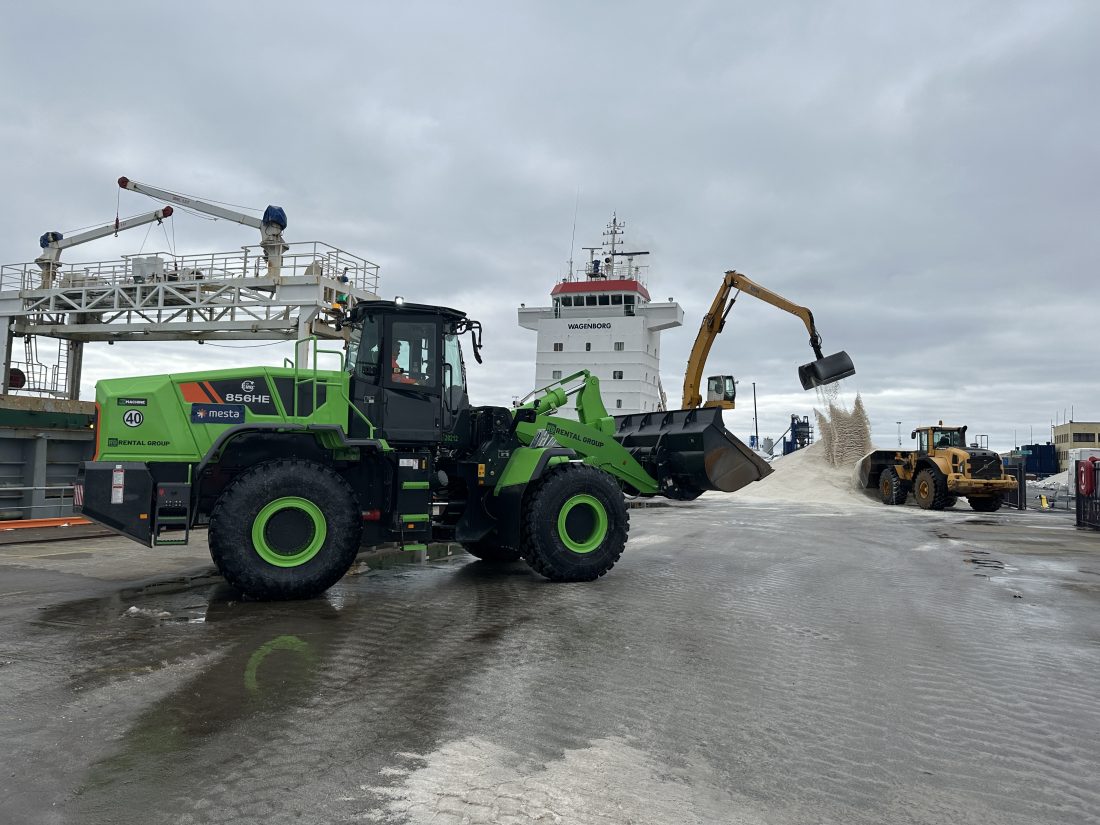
(755, 423)
(899, 433)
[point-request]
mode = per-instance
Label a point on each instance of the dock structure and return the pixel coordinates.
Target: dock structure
(163, 297)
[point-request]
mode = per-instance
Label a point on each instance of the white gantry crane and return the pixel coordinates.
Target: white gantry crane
(53, 243)
(271, 225)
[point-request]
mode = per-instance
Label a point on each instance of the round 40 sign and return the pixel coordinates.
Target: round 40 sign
(132, 418)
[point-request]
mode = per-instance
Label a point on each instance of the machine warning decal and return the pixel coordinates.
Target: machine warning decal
(132, 418)
(133, 402)
(217, 413)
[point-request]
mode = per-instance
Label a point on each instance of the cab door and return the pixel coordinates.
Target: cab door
(411, 378)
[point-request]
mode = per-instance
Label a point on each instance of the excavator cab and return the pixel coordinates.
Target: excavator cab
(721, 391)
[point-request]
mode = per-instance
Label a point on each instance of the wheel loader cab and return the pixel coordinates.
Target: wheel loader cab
(940, 438)
(407, 374)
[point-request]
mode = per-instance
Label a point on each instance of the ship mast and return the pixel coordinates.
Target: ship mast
(613, 232)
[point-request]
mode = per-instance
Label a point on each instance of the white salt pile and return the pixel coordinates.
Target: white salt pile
(824, 472)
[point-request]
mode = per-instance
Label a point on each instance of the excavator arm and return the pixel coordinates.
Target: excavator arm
(824, 370)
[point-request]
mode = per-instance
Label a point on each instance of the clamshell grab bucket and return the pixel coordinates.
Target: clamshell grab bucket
(827, 370)
(689, 451)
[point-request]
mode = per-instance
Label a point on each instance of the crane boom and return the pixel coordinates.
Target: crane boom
(191, 203)
(821, 371)
(53, 243)
(271, 225)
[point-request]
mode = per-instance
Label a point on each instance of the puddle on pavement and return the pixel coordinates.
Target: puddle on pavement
(221, 670)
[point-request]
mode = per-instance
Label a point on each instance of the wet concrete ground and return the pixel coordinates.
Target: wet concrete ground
(744, 663)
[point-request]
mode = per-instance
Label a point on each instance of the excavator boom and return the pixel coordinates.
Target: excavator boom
(823, 370)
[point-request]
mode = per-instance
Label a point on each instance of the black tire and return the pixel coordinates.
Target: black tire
(985, 504)
(488, 549)
(587, 506)
(950, 502)
(930, 489)
(323, 533)
(892, 488)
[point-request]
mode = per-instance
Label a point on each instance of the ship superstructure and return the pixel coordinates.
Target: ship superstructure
(601, 318)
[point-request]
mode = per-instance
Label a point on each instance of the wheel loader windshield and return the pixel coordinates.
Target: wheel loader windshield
(946, 439)
(363, 347)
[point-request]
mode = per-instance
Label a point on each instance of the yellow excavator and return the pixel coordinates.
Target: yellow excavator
(722, 389)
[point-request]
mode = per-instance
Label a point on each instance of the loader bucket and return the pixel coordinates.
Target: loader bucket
(826, 370)
(689, 451)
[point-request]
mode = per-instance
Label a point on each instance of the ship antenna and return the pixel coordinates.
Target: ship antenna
(573, 239)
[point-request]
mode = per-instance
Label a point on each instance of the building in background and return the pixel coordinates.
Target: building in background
(601, 318)
(1073, 435)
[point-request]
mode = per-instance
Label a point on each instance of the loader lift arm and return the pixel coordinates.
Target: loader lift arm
(824, 370)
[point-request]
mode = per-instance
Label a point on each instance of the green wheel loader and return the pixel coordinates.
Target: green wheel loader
(295, 469)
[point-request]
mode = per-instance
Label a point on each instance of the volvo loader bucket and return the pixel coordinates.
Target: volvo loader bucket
(826, 370)
(689, 451)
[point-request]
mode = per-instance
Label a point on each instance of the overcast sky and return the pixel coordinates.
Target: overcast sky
(924, 176)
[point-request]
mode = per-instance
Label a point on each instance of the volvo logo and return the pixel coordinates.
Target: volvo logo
(248, 386)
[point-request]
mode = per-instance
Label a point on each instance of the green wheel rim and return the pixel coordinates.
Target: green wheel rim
(298, 555)
(599, 529)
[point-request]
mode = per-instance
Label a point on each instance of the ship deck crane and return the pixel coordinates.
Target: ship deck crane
(53, 243)
(721, 389)
(271, 225)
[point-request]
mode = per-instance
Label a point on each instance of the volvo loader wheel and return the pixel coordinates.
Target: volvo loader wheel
(930, 489)
(985, 504)
(575, 524)
(285, 529)
(892, 487)
(488, 549)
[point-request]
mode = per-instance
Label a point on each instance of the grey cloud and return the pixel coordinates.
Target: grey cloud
(924, 177)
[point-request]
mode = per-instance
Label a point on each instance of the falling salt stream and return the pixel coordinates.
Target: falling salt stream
(824, 472)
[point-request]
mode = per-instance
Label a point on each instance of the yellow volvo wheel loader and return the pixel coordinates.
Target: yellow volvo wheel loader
(939, 472)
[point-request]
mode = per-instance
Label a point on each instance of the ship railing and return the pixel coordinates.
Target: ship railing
(619, 270)
(50, 501)
(301, 259)
(41, 379)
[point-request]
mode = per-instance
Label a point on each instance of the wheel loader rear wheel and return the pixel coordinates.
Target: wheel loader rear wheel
(985, 504)
(892, 487)
(930, 489)
(285, 529)
(492, 551)
(575, 524)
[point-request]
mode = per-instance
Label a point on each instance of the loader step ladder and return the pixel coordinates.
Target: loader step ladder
(172, 514)
(412, 519)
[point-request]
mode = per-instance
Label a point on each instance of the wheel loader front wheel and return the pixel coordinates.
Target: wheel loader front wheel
(285, 529)
(575, 524)
(892, 487)
(930, 489)
(985, 504)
